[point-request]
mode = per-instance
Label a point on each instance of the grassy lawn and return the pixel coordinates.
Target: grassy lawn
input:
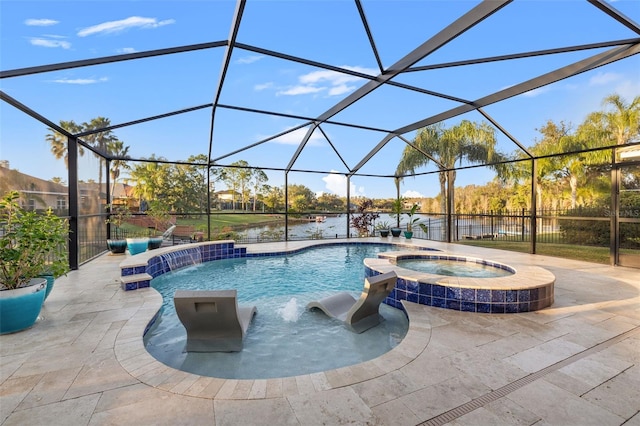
(566, 251)
(236, 221)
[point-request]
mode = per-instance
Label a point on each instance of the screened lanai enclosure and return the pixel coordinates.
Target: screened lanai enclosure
(513, 124)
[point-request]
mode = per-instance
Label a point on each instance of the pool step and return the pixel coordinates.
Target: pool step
(136, 281)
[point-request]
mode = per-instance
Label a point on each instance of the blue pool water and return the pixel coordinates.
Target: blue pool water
(284, 338)
(453, 268)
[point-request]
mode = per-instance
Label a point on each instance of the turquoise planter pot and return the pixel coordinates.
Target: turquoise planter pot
(50, 282)
(137, 245)
(19, 308)
(155, 243)
(117, 246)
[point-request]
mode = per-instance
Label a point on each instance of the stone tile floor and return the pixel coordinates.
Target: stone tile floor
(575, 363)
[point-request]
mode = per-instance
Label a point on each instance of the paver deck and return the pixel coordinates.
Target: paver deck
(574, 363)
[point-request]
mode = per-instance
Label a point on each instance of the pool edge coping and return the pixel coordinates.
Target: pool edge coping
(134, 358)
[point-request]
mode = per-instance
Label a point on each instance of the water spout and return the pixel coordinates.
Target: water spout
(181, 258)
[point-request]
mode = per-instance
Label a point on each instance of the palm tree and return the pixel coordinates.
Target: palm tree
(58, 141)
(468, 141)
(624, 121)
(100, 140)
(117, 149)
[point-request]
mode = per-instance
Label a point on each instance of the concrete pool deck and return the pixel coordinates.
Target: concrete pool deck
(574, 363)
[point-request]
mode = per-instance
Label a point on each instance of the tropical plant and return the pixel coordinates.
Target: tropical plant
(365, 218)
(159, 213)
(396, 209)
(412, 220)
(381, 226)
(31, 244)
(118, 214)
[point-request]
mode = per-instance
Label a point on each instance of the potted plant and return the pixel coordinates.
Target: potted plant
(396, 212)
(383, 229)
(118, 214)
(412, 221)
(31, 245)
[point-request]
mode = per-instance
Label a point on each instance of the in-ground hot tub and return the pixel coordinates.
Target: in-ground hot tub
(524, 289)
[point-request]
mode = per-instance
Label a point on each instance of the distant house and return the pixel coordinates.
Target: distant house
(123, 195)
(40, 194)
(225, 199)
(35, 193)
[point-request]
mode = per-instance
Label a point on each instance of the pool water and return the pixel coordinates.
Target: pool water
(453, 268)
(284, 339)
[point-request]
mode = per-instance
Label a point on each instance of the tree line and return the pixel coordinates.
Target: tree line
(562, 180)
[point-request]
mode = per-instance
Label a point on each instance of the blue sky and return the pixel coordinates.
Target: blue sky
(38, 33)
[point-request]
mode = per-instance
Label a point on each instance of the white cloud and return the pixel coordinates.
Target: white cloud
(127, 50)
(337, 184)
(124, 24)
(40, 22)
(296, 136)
(263, 86)
(48, 42)
(249, 59)
(536, 92)
(603, 78)
(300, 90)
(339, 90)
(412, 194)
(80, 81)
(333, 82)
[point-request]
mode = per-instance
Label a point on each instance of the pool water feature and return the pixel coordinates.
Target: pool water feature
(285, 339)
(454, 268)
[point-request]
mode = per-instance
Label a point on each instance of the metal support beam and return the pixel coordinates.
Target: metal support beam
(348, 206)
(72, 158)
(286, 206)
(534, 205)
(233, 34)
(450, 206)
(614, 227)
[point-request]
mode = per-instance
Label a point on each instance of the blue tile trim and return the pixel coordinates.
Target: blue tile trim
(158, 265)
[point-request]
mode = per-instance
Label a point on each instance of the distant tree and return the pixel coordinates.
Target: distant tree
(58, 141)
(190, 194)
(152, 180)
(331, 202)
(301, 197)
(58, 180)
(258, 178)
(237, 178)
(273, 197)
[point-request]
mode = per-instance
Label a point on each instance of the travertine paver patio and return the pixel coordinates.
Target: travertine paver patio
(575, 363)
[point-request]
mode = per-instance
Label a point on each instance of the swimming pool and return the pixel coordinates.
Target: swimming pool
(284, 338)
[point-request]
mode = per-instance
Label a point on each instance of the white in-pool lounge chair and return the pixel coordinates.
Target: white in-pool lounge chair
(213, 319)
(362, 314)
